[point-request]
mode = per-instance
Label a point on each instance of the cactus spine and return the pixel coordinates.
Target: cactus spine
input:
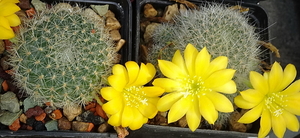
(62, 55)
(225, 32)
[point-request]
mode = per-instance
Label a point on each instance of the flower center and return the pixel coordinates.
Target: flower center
(274, 103)
(134, 96)
(193, 85)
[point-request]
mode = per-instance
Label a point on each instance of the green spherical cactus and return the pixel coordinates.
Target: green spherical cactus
(62, 55)
(224, 31)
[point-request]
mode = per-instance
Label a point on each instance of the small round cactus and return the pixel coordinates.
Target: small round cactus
(224, 31)
(62, 55)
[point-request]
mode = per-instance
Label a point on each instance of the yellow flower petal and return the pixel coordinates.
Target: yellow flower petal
(253, 96)
(13, 20)
(291, 120)
(152, 91)
(113, 106)
(127, 116)
(151, 71)
(179, 109)
(6, 33)
(259, 82)
(190, 54)
(171, 70)
(8, 9)
(292, 89)
(144, 76)
(292, 104)
(207, 110)
(265, 124)
(138, 120)
(115, 120)
(108, 93)
(4, 23)
(193, 116)
(221, 102)
(242, 103)
(133, 71)
(118, 82)
(119, 69)
(252, 114)
(219, 78)
(168, 84)
(278, 126)
(153, 100)
(228, 88)
(275, 77)
(3, 2)
(202, 62)
(289, 75)
(148, 110)
(179, 61)
(167, 101)
(295, 97)
(218, 63)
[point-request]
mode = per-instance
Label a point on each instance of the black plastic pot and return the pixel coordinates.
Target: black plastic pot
(123, 12)
(258, 18)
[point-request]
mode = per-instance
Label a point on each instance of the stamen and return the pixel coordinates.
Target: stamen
(192, 85)
(134, 97)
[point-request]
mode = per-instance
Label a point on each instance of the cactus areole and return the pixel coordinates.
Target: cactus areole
(62, 55)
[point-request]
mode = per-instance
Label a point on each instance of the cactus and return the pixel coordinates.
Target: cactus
(62, 55)
(224, 31)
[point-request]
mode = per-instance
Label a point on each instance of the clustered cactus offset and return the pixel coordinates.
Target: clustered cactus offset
(62, 55)
(223, 31)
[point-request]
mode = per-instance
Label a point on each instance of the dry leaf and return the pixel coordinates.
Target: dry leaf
(271, 47)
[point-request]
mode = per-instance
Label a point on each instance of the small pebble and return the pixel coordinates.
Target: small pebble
(112, 23)
(7, 118)
(56, 114)
(72, 111)
(29, 103)
(30, 121)
(29, 127)
(23, 126)
(105, 127)
(40, 117)
(15, 125)
(64, 124)
(149, 11)
(101, 112)
(39, 126)
(9, 101)
(38, 5)
(24, 4)
(81, 126)
(23, 118)
(49, 109)
(36, 111)
(51, 125)
(89, 116)
(234, 125)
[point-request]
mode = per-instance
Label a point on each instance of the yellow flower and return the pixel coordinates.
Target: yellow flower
(274, 99)
(194, 83)
(129, 102)
(8, 18)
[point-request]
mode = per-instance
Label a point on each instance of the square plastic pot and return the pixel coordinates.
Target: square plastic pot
(123, 12)
(257, 17)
